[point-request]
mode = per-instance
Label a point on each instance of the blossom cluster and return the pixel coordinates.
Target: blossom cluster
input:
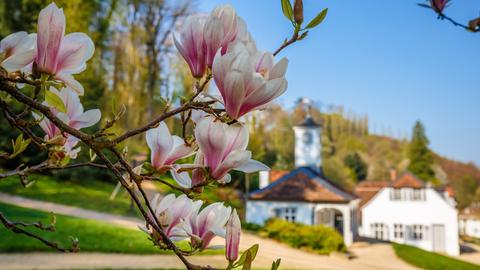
(56, 57)
(182, 218)
(217, 45)
(247, 79)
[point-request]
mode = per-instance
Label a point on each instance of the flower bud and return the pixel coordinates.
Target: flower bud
(298, 11)
(232, 238)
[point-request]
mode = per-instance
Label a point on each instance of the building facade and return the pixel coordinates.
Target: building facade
(304, 195)
(409, 212)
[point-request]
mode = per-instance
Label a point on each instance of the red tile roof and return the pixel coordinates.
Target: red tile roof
(303, 184)
(408, 180)
(365, 190)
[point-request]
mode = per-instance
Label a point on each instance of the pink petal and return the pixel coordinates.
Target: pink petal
(75, 50)
(233, 160)
(160, 143)
(211, 139)
(51, 29)
(179, 150)
(232, 239)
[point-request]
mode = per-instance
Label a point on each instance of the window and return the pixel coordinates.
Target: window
(418, 195)
(287, 213)
(402, 194)
(398, 231)
(396, 194)
(379, 231)
(419, 232)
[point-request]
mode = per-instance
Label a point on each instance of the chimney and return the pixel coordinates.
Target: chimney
(393, 174)
(264, 179)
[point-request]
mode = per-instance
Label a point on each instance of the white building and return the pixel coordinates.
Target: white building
(304, 195)
(469, 221)
(409, 212)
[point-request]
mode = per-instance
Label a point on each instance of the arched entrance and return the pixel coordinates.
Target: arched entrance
(337, 216)
(330, 217)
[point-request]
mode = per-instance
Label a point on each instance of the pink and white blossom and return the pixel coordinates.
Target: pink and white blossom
(248, 79)
(181, 172)
(220, 31)
(232, 238)
(165, 148)
(192, 44)
(17, 50)
(74, 116)
(202, 226)
(55, 53)
(172, 213)
(224, 148)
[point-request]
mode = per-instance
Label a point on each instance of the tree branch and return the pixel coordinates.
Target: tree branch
(15, 227)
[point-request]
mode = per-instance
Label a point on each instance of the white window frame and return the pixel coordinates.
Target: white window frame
(287, 213)
(398, 231)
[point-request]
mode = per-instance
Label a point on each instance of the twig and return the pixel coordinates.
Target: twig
(15, 227)
(294, 38)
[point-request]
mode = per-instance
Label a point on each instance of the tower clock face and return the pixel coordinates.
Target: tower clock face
(307, 138)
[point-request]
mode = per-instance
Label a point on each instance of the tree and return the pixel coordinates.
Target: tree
(421, 158)
(356, 164)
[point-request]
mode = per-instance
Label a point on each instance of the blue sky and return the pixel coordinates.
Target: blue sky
(391, 60)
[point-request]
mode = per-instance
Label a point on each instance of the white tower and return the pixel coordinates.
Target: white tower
(308, 147)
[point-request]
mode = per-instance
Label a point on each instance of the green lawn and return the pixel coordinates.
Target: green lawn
(93, 235)
(85, 193)
(429, 260)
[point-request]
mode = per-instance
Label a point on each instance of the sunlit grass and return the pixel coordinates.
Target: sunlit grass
(94, 236)
(430, 260)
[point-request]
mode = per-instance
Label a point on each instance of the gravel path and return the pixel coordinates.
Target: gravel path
(369, 256)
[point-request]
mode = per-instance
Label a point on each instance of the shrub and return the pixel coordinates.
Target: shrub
(318, 238)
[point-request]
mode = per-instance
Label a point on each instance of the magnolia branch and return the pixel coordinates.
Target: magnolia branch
(46, 167)
(16, 227)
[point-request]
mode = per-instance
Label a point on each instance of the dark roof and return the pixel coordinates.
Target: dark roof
(303, 184)
(308, 122)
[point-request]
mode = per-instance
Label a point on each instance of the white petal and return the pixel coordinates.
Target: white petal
(18, 61)
(279, 69)
(11, 41)
(252, 166)
(87, 119)
(75, 50)
(68, 79)
(183, 178)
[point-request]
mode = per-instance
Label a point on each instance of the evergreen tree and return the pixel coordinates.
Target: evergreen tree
(421, 158)
(356, 164)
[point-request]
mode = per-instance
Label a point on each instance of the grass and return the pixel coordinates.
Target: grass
(88, 194)
(94, 236)
(430, 260)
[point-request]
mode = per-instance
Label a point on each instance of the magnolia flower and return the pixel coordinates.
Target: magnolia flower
(172, 212)
(17, 47)
(232, 238)
(192, 45)
(56, 54)
(220, 31)
(223, 148)
(202, 226)
(180, 172)
(165, 148)
(439, 5)
(74, 116)
(248, 80)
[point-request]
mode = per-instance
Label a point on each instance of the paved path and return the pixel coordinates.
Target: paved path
(370, 256)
